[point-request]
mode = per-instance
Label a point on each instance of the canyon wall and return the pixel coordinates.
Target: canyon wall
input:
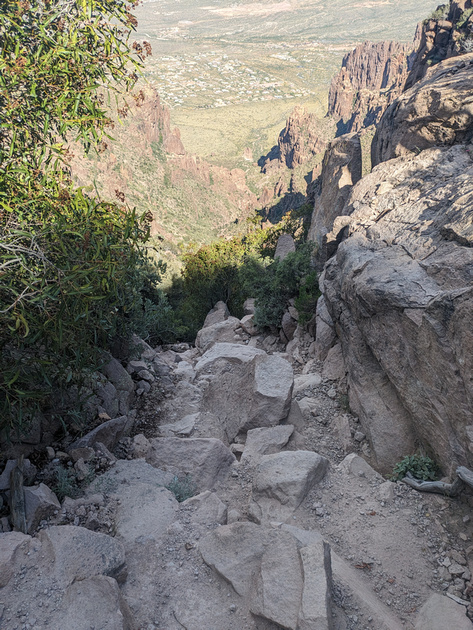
(399, 285)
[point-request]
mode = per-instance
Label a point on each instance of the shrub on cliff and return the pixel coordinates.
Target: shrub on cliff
(74, 271)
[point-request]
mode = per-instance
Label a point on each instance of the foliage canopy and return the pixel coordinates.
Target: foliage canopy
(74, 273)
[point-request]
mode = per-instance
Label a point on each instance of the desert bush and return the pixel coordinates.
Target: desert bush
(420, 466)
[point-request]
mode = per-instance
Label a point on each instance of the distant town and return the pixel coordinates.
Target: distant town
(214, 79)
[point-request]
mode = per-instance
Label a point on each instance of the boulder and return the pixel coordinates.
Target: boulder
(109, 433)
(146, 507)
(183, 428)
(334, 364)
(306, 381)
(315, 611)
(277, 575)
(250, 389)
(440, 612)
(123, 383)
(265, 441)
(325, 336)
(29, 473)
(249, 326)
(221, 332)
(40, 504)
(285, 246)
(93, 603)
(79, 553)
(288, 325)
(282, 481)
(208, 509)
(206, 460)
(219, 313)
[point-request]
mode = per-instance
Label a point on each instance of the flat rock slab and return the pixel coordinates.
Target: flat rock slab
(207, 509)
(206, 460)
(221, 332)
(275, 574)
(146, 508)
(306, 381)
(440, 612)
(266, 441)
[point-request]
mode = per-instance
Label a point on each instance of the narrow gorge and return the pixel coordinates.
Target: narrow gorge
(251, 478)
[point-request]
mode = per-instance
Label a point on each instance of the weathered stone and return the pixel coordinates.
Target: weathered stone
(208, 509)
(435, 111)
(277, 592)
(325, 332)
(85, 454)
(249, 326)
(79, 553)
(109, 433)
(440, 612)
(29, 473)
(184, 427)
(316, 610)
(334, 364)
(400, 291)
(185, 370)
(206, 460)
(249, 306)
(283, 480)
(40, 504)
(122, 381)
(266, 441)
(250, 388)
(93, 602)
(288, 326)
(140, 446)
(306, 381)
(146, 507)
(344, 432)
(10, 542)
(221, 332)
(285, 246)
(219, 313)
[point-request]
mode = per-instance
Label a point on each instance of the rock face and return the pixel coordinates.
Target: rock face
(371, 77)
(341, 169)
(400, 291)
(448, 34)
(303, 137)
(436, 111)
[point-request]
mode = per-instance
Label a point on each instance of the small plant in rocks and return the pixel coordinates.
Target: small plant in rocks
(183, 488)
(420, 467)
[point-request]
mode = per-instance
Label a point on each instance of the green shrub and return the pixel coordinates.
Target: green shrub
(420, 466)
(182, 488)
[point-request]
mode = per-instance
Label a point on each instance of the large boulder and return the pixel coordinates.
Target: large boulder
(220, 332)
(435, 111)
(282, 481)
(249, 388)
(400, 292)
(440, 612)
(279, 576)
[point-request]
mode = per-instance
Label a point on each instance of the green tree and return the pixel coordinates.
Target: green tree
(74, 273)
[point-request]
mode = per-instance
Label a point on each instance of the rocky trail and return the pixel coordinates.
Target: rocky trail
(288, 526)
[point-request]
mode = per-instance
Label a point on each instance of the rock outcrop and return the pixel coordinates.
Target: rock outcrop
(341, 169)
(303, 137)
(371, 78)
(400, 292)
(437, 111)
(448, 33)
